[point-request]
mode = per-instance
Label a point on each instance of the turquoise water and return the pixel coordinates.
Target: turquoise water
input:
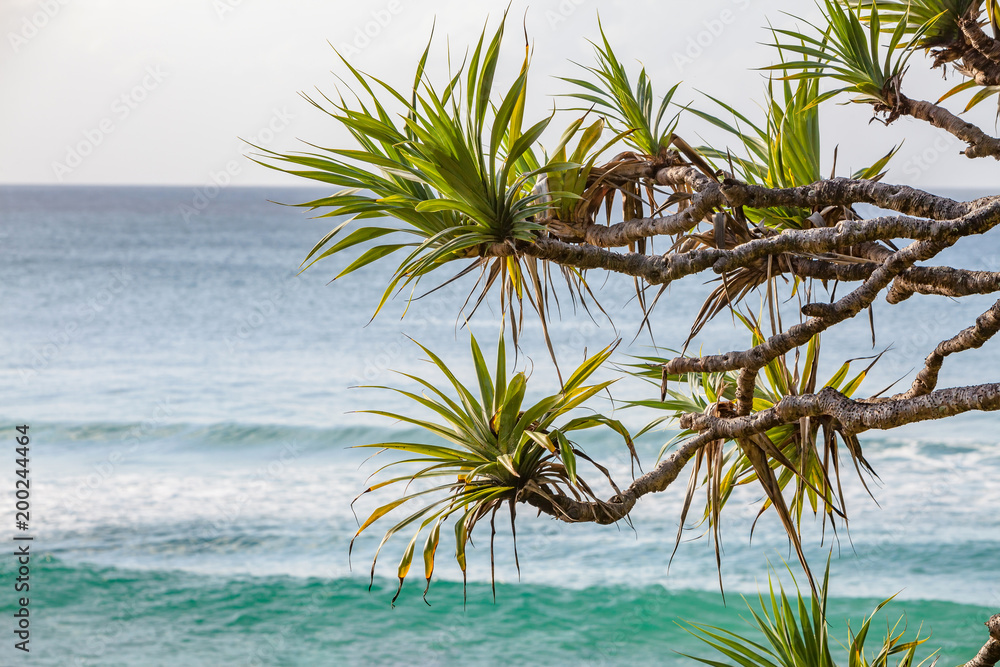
(108, 616)
(190, 413)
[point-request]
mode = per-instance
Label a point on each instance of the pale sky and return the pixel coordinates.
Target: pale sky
(158, 91)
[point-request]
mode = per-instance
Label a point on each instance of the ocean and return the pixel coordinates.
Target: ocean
(192, 401)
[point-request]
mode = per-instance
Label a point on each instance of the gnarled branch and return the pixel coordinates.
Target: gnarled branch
(852, 417)
(986, 326)
(989, 654)
(977, 39)
(980, 143)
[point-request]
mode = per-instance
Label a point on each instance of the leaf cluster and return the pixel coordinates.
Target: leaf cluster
(500, 450)
(841, 49)
(632, 107)
(791, 631)
(448, 165)
(802, 471)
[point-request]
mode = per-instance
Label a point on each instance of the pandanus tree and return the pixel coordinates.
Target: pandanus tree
(449, 178)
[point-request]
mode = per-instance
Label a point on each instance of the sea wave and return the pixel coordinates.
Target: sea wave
(112, 616)
(365, 429)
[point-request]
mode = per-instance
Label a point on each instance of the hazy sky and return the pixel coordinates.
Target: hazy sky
(158, 92)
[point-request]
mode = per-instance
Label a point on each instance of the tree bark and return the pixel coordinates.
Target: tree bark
(989, 654)
(980, 143)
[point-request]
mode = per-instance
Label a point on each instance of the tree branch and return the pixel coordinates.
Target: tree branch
(944, 281)
(989, 654)
(852, 416)
(709, 195)
(846, 192)
(986, 326)
(930, 280)
(977, 39)
(822, 317)
(622, 234)
(980, 143)
(659, 270)
(659, 478)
